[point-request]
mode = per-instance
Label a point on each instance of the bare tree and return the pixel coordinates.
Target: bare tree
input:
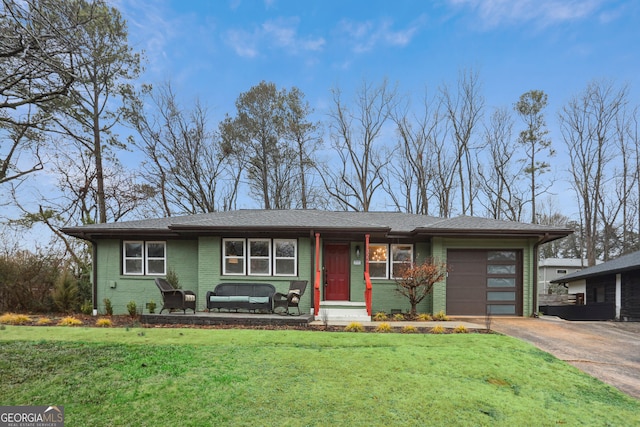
(76, 200)
(356, 132)
(416, 168)
(499, 180)
(464, 112)
(185, 162)
(23, 140)
(587, 124)
(37, 39)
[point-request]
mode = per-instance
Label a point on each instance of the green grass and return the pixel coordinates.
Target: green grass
(197, 377)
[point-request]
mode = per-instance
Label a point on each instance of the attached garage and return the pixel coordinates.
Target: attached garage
(484, 282)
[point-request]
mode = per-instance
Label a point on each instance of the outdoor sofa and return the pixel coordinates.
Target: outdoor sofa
(241, 296)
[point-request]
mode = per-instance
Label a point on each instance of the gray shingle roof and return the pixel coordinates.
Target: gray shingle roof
(265, 220)
(624, 263)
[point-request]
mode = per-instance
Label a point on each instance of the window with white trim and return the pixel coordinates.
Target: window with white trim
(260, 257)
(285, 254)
(233, 251)
(383, 266)
(144, 258)
(401, 259)
(378, 266)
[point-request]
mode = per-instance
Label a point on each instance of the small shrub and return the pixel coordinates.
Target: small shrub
(440, 316)
(152, 307)
(108, 308)
(438, 329)
(132, 308)
(65, 292)
(14, 319)
(399, 317)
(172, 278)
(424, 317)
(86, 307)
(380, 316)
(104, 323)
(43, 321)
(70, 321)
(383, 327)
(354, 327)
(409, 329)
(460, 329)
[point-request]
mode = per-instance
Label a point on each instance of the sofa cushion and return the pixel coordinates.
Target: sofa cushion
(258, 300)
(232, 298)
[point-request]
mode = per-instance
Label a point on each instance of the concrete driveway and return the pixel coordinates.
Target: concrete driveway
(609, 351)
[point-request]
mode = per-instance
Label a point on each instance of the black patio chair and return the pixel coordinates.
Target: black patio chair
(175, 299)
(290, 299)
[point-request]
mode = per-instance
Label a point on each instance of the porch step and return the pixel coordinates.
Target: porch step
(343, 311)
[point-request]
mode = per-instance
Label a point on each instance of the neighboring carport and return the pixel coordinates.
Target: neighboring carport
(610, 290)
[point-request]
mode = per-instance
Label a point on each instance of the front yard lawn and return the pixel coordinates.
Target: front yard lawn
(198, 377)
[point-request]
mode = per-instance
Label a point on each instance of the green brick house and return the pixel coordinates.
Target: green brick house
(492, 264)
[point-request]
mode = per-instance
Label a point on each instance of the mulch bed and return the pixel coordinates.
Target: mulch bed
(125, 321)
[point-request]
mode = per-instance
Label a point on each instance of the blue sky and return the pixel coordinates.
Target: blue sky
(214, 50)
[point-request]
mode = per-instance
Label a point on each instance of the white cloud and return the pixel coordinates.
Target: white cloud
(281, 33)
(366, 36)
(242, 42)
(543, 13)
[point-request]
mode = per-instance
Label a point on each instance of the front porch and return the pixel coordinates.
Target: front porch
(226, 318)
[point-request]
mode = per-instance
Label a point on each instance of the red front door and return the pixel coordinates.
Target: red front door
(336, 272)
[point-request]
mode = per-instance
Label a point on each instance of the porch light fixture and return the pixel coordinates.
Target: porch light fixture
(358, 251)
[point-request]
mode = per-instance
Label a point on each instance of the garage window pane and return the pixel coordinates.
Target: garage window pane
(501, 256)
(501, 309)
(501, 296)
(501, 282)
(501, 269)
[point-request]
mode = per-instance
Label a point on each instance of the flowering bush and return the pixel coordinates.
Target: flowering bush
(416, 281)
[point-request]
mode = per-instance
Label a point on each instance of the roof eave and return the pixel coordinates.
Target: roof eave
(91, 234)
(544, 236)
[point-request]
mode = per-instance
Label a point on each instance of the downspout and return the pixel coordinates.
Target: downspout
(94, 274)
(535, 274)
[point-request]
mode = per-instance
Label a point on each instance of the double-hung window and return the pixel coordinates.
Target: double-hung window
(144, 258)
(284, 257)
(378, 266)
(233, 257)
(401, 259)
(389, 261)
(260, 257)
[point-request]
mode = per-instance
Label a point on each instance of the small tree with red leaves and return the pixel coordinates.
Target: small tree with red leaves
(416, 281)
